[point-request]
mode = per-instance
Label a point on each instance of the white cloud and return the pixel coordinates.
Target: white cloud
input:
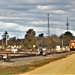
(11, 27)
(20, 15)
(58, 11)
(73, 32)
(46, 22)
(17, 18)
(44, 7)
(39, 22)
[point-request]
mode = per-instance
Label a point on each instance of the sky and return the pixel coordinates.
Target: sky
(18, 16)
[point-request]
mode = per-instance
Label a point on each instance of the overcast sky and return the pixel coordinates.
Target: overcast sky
(17, 16)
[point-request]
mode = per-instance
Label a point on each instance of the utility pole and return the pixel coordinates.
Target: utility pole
(48, 26)
(2, 41)
(67, 24)
(6, 36)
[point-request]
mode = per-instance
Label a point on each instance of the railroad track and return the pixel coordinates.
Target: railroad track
(21, 60)
(26, 54)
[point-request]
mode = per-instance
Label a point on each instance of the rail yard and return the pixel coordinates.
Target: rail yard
(21, 58)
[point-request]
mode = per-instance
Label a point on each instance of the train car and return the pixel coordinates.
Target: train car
(72, 45)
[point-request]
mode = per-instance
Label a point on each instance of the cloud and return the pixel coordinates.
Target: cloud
(38, 22)
(17, 16)
(44, 7)
(59, 11)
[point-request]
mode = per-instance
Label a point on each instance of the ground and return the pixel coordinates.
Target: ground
(62, 66)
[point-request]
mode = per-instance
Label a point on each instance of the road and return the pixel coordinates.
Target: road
(62, 66)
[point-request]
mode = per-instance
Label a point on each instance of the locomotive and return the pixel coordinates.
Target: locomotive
(72, 45)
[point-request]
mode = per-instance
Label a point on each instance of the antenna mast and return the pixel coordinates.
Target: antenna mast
(67, 25)
(48, 26)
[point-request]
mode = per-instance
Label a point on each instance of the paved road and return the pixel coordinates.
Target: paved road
(63, 66)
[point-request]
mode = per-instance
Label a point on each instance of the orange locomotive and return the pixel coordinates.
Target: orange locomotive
(72, 45)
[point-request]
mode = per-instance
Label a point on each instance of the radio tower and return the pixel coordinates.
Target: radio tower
(48, 26)
(67, 24)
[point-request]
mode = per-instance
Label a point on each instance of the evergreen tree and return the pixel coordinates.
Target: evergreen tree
(29, 39)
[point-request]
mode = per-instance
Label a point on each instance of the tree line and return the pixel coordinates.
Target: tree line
(48, 42)
(33, 42)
